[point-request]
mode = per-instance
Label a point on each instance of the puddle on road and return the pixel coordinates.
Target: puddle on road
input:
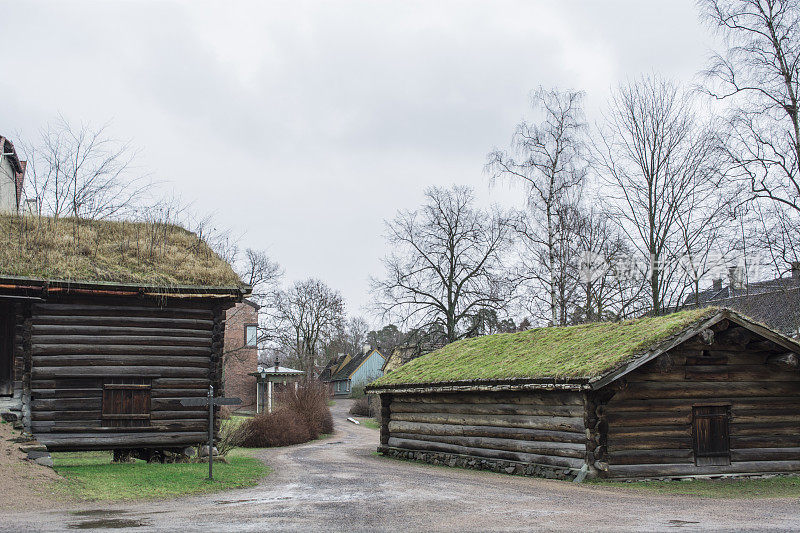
(109, 523)
(231, 502)
(105, 519)
(681, 523)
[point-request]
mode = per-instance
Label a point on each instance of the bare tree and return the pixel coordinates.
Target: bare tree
(308, 315)
(660, 167)
(261, 273)
(548, 158)
(759, 74)
(81, 171)
(446, 265)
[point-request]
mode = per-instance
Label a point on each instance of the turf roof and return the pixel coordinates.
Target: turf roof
(572, 352)
(78, 250)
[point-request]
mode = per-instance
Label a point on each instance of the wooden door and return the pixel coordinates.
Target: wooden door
(126, 403)
(711, 435)
(6, 351)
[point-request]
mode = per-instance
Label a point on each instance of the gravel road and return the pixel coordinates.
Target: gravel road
(339, 484)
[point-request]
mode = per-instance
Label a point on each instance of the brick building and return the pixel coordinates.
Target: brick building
(241, 354)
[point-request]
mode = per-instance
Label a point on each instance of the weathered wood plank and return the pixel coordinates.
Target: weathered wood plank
(655, 456)
(117, 349)
(766, 454)
(705, 389)
(487, 408)
(558, 423)
(486, 431)
(136, 340)
(132, 310)
(661, 470)
(122, 360)
(50, 330)
(101, 441)
(122, 321)
(567, 462)
(40, 372)
(559, 449)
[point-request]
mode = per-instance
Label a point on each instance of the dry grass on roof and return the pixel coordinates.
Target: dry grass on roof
(153, 254)
(584, 351)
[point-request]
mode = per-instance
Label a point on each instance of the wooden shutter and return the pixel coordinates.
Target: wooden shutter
(126, 403)
(711, 435)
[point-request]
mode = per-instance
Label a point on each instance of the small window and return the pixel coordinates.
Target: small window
(251, 335)
(711, 435)
(126, 403)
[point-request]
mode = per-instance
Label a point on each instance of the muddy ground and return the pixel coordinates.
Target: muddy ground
(339, 484)
(24, 484)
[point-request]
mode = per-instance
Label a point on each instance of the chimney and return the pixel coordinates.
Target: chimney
(717, 284)
(795, 269)
(277, 365)
(736, 278)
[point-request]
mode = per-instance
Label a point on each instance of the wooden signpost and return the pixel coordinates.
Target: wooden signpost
(211, 402)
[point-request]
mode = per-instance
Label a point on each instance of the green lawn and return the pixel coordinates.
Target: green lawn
(92, 476)
(370, 423)
(776, 487)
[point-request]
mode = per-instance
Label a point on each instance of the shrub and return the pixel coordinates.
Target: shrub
(369, 405)
(357, 392)
(301, 416)
(360, 407)
(232, 434)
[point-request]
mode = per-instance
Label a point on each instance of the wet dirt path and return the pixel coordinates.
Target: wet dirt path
(338, 484)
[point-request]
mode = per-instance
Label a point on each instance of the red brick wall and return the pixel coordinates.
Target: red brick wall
(239, 360)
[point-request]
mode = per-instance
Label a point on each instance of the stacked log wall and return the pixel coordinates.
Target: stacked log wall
(525, 428)
(76, 347)
(648, 421)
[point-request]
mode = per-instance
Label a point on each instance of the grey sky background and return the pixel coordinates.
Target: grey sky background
(303, 125)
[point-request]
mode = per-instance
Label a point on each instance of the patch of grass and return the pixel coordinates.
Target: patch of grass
(775, 487)
(331, 403)
(557, 352)
(151, 253)
(370, 423)
(92, 476)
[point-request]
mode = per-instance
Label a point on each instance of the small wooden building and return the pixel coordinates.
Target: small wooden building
(697, 393)
(272, 381)
(100, 342)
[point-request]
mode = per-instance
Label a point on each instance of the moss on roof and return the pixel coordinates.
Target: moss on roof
(141, 253)
(575, 352)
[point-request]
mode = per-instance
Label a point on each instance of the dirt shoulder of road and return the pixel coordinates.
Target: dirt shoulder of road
(24, 484)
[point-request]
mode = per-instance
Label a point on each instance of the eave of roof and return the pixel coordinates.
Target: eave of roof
(42, 286)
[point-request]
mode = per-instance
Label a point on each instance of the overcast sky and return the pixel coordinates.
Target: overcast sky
(303, 125)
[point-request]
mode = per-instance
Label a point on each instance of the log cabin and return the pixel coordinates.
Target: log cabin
(105, 327)
(698, 393)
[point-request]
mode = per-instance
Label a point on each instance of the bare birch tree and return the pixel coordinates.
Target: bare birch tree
(658, 165)
(446, 265)
(759, 74)
(547, 157)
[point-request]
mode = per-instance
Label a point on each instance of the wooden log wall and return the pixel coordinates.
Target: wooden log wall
(545, 428)
(648, 421)
(77, 347)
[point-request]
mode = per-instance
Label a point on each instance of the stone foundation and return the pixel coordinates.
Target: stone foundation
(481, 463)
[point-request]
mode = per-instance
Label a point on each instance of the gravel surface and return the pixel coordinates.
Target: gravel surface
(339, 484)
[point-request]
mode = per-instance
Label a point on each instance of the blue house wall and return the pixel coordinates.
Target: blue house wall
(369, 371)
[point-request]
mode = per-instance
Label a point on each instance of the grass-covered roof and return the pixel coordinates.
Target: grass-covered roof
(573, 352)
(140, 253)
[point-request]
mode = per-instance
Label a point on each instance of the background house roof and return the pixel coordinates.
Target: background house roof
(568, 353)
(136, 253)
(7, 147)
(344, 372)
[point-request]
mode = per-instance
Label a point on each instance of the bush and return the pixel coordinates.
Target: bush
(301, 416)
(360, 407)
(357, 392)
(369, 405)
